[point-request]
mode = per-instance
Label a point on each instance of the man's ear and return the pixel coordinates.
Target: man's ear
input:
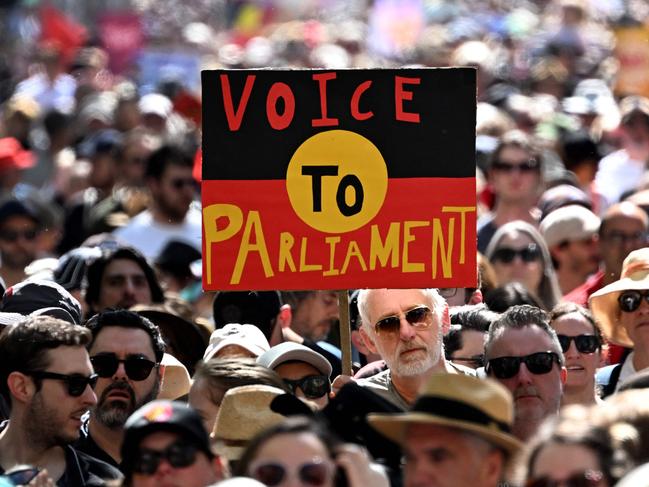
(369, 343)
(564, 375)
(359, 343)
(446, 320)
(21, 387)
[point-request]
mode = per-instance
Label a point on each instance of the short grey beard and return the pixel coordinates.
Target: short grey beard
(115, 417)
(419, 367)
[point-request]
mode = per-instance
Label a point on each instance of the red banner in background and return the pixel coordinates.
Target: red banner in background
(122, 36)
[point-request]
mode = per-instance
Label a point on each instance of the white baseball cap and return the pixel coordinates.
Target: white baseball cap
(291, 351)
(246, 336)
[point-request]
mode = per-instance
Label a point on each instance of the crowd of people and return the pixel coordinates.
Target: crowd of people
(117, 369)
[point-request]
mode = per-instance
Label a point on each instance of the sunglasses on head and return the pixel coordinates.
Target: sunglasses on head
(588, 478)
(420, 317)
(137, 368)
(181, 183)
(630, 300)
(584, 343)
(76, 383)
(507, 367)
(13, 235)
(179, 455)
(529, 165)
(313, 386)
(506, 255)
(314, 473)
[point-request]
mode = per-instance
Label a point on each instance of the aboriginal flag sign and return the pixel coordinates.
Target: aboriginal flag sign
(339, 179)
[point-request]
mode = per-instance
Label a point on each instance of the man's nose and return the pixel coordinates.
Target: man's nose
(524, 375)
(406, 330)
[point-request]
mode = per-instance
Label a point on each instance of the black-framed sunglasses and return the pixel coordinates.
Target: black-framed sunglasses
(630, 300)
(313, 386)
(507, 255)
(584, 343)
(475, 361)
(420, 317)
(314, 473)
(507, 367)
(179, 454)
(529, 165)
(76, 383)
(12, 236)
(137, 368)
(587, 478)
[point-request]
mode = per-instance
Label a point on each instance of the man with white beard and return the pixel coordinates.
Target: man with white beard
(405, 327)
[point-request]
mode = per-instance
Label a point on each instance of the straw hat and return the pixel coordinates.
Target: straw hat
(479, 406)
(604, 305)
(175, 381)
(245, 411)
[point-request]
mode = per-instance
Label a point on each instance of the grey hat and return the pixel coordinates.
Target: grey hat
(289, 352)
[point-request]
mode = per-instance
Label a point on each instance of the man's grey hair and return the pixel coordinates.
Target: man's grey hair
(521, 316)
(435, 301)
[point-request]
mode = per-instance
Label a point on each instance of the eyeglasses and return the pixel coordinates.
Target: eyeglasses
(179, 183)
(584, 343)
(476, 361)
(507, 367)
(271, 474)
(588, 478)
(621, 238)
(507, 255)
(630, 300)
(420, 317)
(76, 383)
(313, 386)
(179, 455)
(13, 235)
(529, 165)
(137, 368)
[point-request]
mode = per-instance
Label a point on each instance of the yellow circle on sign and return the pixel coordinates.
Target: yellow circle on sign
(337, 181)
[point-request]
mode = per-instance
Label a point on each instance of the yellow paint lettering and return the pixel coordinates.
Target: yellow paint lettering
(353, 251)
(214, 233)
(304, 267)
(407, 238)
(446, 247)
(332, 271)
(286, 241)
(462, 210)
(253, 225)
(382, 249)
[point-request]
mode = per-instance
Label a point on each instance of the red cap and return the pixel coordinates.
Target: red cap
(12, 155)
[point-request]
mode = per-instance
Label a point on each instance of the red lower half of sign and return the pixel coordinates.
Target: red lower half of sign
(424, 235)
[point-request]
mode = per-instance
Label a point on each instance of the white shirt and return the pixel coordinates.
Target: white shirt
(618, 173)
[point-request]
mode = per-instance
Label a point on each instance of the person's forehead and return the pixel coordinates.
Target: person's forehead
(159, 439)
(68, 359)
(123, 340)
(390, 301)
(520, 341)
(296, 370)
(425, 435)
(123, 267)
(572, 323)
(17, 221)
(175, 170)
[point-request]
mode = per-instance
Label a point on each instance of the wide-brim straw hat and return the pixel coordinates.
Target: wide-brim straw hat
(479, 406)
(604, 304)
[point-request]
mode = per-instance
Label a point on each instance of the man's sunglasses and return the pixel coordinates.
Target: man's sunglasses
(507, 255)
(475, 361)
(630, 300)
(584, 343)
(314, 473)
(507, 367)
(137, 368)
(526, 166)
(13, 235)
(179, 455)
(313, 386)
(588, 478)
(76, 383)
(420, 317)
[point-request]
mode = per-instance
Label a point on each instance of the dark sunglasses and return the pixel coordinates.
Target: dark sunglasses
(312, 473)
(179, 455)
(180, 183)
(507, 255)
(13, 235)
(137, 368)
(22, 476)
(584, 343)
(313, 386)
(420, 317)
(589, 478)
(507, 367)
(630, 300)
(76, 383)
(529, 165)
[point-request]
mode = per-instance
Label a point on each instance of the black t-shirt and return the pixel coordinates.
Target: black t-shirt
(87, 445)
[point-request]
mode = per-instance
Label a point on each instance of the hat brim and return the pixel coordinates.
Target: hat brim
(605, 308)
(393, 426)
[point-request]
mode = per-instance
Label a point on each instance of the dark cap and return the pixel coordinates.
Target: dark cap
(162, 415)
(71, 269)
(258, 308)
(14, 207)
(176, 257)
(105, 141)
(33, 295)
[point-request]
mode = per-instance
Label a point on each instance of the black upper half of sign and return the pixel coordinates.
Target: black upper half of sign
(442, 144)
